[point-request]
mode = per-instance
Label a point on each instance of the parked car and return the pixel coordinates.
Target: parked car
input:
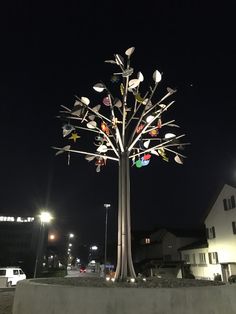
(13, 274)
(232, 279)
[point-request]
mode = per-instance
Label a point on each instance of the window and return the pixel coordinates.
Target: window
(147, 240)
(186, 258)
(229, 203)
(15, 272)
(202, 258)
(194, 259)
(213, 258)
(211, 234)
(234, 227)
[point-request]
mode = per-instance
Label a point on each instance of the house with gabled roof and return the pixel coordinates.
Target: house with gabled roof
(217, 257)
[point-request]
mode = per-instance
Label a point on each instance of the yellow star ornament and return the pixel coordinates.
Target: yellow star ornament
(74, 137)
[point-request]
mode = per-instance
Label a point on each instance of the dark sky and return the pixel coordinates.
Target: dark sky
(50, 52)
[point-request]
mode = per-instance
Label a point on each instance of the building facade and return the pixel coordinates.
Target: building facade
(218, 257)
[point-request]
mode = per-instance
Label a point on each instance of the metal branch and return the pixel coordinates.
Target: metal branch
(163, 144)
(86, 153)
(142, 115)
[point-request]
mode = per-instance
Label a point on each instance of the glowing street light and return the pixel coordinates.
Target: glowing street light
(129, 129)
(45, 218)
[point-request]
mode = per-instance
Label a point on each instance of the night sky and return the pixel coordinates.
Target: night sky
(50, 52)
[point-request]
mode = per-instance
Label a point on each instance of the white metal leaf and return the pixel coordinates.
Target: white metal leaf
(85, 100)
(171, 91)
(134, 83)
(91, 117)
(96, 108)
(99, 87)
(174, 125)
(92, 124)
(62, 150)
(157, 76)
(102, 149)
(89, 157)
(140, 76)
(154, 152)
(169, 135)
(146, 143)
(178, 159)
(110, 61)
(117, 103)
(129, 51)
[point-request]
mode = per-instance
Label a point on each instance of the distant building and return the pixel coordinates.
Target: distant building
(216, 258)
(18, 241)
(159, 249)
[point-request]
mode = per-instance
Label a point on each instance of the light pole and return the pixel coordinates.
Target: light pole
(45, 218)
(107, 206)
(68, 248)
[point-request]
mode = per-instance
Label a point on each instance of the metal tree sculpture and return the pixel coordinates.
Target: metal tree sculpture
(126, 128)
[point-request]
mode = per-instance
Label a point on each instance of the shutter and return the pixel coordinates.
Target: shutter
(210, 259)
(225, 204)
(232, 201)
(213, 232)
(234, 227)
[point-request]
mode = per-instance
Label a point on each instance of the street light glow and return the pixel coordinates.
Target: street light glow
(71, 235)
(45, 217)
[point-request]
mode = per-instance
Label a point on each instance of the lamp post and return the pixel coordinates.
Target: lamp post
(45, 218)
(68, 248)
(107, 206)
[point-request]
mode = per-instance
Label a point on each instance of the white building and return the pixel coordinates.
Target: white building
(218, 256)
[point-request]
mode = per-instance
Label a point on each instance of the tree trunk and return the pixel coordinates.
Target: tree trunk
(124, 267)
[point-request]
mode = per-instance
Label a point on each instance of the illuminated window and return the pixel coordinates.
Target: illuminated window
(229, 203)
(147, 240)
(202, 258)
(234, 227)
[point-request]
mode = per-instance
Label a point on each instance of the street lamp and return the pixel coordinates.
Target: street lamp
(45, 218)
(107, 206)
(68, 248)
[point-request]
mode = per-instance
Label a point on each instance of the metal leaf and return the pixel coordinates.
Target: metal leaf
(110, 61)
(89, 157)
(134, 83)
(178, 159)
(140, 76)
(85, 101)
(102, 149)
(117, 103)
(92, 124)
(99, 87)
(96, 108)
(157, 76)
(171, 91)
(129, 51)
(62, 150)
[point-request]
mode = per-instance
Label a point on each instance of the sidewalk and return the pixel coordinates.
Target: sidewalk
(6, 300)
